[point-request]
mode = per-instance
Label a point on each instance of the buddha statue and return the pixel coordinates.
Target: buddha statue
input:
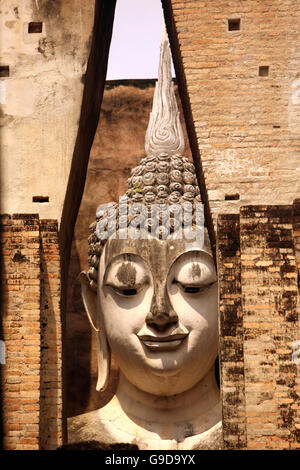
(151, 296)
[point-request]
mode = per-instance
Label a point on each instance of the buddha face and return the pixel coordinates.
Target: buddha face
(158, 301)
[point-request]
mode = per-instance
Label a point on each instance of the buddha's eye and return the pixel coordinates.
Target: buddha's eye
(128, 276)
(192, 289)
(123, 291)
(129, 292)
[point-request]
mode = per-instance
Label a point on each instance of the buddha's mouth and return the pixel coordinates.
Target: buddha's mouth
(162, 342)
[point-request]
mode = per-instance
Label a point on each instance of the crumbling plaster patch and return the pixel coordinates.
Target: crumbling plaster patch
(41, 100)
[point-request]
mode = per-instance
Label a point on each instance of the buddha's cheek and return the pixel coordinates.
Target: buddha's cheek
(123, 319)
(199, 314)
(121, 335)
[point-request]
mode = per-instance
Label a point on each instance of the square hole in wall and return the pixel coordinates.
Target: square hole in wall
(234, 24)
(4, 71)
(232, 197)
(263, 70)
(35, 27)
(40, 199)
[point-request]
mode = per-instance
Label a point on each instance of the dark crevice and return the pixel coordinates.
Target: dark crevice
(35, 27)
(4, 71)
(232, 197)
(263, 71)
(90, 110)
(40, 199)
(234, 24)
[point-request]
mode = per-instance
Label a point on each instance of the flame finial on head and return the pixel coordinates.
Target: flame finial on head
(163, 177)
(164, 132)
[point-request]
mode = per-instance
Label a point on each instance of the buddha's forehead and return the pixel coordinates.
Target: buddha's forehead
(158, 254)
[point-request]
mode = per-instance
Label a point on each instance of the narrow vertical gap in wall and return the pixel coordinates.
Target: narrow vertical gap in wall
(88, 122)
(1, 339)
(190, 126)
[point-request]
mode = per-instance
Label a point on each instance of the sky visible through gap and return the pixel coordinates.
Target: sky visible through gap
(134, 51)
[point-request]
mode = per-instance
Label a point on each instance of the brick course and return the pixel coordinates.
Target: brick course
(261, 392)
(31, 332)
(231, 351)
(51, 338)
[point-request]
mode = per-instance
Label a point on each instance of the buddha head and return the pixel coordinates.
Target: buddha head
(151, 290)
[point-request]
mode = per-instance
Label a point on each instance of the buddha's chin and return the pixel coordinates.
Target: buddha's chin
(163, 384)
(166, 372)
(161, 379)
(166, 364)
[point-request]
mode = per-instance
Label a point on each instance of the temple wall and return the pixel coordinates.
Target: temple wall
(51, 404)
(242, 87)
(259, 327)
(44, 51)
(31, 331)
(243, 90)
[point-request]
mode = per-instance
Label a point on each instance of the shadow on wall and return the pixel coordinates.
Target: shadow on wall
(89, 117)
(2, 344)
(50, 398)
(81, 355)
(78, 350)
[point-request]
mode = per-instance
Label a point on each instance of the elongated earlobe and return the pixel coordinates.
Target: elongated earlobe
(89, 298)
(95, 316)
(103, 360)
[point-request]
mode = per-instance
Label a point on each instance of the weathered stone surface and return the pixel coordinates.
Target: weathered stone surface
(40, 100)
(231, 350)
(259, 327)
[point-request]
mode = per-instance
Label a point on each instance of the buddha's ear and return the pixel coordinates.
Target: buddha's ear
(94, 313)
(89, 297)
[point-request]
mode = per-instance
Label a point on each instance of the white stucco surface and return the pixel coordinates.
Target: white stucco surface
(40, 100)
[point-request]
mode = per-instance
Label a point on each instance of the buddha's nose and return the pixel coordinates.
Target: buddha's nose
(161, 315)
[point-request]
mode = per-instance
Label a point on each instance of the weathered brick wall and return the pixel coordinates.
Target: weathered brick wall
(51, 338)
(268, 378)
(231, 350)
(247, 125)
(30, 394)
(296, 234)
(21, 331)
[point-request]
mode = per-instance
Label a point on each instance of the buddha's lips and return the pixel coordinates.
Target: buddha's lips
(158, 342)
(162, 339)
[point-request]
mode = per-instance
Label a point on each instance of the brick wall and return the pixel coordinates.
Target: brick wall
(51, 338)
(246, 125)
(261, 392)
(296, 234)
(231, 350)
(31, 331)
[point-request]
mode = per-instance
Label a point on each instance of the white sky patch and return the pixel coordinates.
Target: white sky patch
(2, 92)
(135, 46)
